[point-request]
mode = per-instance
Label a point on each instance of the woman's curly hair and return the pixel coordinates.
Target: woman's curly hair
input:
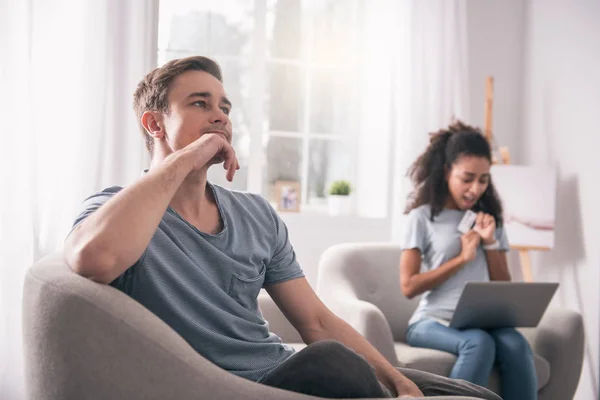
(428, 175)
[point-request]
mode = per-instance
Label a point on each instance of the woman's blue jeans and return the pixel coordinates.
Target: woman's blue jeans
(478, 350)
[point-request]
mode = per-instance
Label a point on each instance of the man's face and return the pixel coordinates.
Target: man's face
(197, 106)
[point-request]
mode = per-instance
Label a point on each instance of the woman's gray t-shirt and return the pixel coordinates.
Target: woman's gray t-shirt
(439, 242)
(206, 286)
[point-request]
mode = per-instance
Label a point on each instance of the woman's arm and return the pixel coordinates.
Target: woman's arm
(413, 282)
(497, 265)
(485, 226)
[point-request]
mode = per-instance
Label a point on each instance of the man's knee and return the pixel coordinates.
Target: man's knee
(328, 368)
(333, 349)
(335, 356)
(326, 346)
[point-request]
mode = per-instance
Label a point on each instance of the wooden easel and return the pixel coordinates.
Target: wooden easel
(505, 159)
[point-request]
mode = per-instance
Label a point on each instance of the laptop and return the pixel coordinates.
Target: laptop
(490, 305)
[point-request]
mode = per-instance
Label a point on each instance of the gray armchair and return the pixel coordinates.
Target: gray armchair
(84, 340)
(361, 284)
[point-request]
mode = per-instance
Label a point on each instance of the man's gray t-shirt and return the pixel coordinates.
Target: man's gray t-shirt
(206, 286)
(439, 242)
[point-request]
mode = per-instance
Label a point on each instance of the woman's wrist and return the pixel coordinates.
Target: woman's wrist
(462, 259)
(495, 245)
(490, 241)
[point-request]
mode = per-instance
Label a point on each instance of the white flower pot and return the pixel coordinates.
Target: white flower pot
(339, 205)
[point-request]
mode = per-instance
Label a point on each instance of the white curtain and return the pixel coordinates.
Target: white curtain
(379, 41)
(414, 81)
(68, 69)
(430, 83)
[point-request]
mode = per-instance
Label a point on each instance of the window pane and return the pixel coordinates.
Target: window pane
(329, 160)
(284, 29)
(332, 101)
(284, 163)
(182, 28)
(334, 27)
(206, 27)
(285, 98)
(231, 27)
(330, 25)
(168, 55)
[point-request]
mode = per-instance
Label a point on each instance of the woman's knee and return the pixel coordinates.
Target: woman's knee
(477, 340)
(510, 341)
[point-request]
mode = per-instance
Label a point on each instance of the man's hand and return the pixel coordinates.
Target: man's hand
(209, 149)
(407, 389)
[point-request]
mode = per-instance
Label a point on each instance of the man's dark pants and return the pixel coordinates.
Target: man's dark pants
(330, 369)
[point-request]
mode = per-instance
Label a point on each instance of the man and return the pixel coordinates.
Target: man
(197, 254)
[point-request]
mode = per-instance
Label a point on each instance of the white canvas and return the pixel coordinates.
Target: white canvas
(529, 198)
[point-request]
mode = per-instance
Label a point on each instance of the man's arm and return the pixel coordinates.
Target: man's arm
(314, 321)
(114, 237)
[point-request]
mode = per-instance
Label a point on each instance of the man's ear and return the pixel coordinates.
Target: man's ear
(152, 122)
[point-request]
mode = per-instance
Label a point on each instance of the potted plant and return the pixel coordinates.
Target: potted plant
(339, 198)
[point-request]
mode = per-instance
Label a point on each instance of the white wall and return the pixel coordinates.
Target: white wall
(545, 58)
(495, 32)
(561, 127)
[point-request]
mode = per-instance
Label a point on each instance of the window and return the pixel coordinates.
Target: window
(290, 69)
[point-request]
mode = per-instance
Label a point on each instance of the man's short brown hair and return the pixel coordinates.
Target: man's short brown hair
(152, 92)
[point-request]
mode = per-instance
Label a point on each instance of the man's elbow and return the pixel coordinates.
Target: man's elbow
(90, 262)
(318, 328)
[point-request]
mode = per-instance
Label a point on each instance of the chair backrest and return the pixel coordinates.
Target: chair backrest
(370, 272)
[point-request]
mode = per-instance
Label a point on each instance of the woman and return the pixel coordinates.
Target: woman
(451, 177)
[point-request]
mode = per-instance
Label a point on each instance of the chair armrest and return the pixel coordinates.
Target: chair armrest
(560, 339)
(368, 320)
(339, 294)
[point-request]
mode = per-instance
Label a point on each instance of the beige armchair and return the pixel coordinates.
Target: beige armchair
(87, 341)
(361, 283)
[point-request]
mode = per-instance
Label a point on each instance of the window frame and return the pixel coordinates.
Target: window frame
(259, 66)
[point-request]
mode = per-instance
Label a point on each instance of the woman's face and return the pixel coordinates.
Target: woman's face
(467, 180)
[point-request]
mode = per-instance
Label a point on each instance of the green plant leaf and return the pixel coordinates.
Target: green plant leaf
(340, 188)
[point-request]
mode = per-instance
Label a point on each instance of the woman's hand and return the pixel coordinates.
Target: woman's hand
(469, 242)
(485, 226)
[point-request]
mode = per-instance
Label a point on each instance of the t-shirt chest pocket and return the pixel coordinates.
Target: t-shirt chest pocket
(244, 288)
